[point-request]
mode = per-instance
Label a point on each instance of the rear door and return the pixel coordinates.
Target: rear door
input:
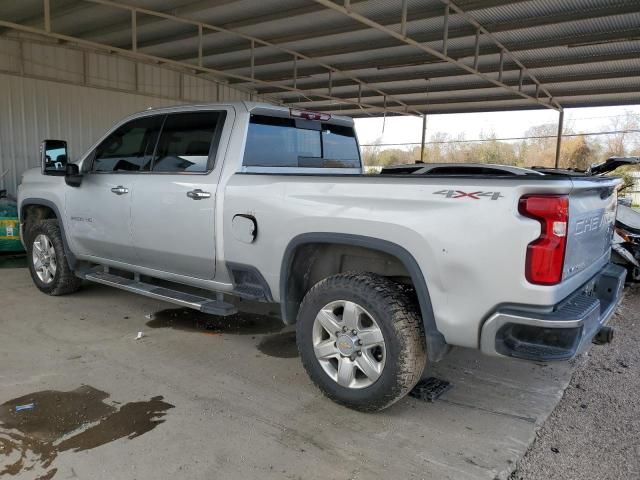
(173, 209)
(99, 209)
(592, 214)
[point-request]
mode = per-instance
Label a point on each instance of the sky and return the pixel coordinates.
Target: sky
(502, 124)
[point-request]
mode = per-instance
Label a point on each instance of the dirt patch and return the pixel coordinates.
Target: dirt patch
(36, 427)
(190, 320)
(594, 432)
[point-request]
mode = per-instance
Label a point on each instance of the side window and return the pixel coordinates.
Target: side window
(130, 148)
(188, 142)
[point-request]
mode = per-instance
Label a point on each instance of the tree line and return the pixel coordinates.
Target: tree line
(578, 151)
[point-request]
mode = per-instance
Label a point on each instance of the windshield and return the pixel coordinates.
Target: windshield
(287, 142)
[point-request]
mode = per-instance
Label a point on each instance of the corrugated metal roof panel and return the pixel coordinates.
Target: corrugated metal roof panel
(574, 39)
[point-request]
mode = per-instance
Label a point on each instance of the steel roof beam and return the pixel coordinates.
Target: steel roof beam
(195, 9)
(152, 59)
(552, 80)
(249, 38)
(579, 102)
(417, 59)
(503, 49)
(431, 51)
(73, 8)
(488, 69)
(460, 32)
(497, 104)
(418, 104)
(420, 13)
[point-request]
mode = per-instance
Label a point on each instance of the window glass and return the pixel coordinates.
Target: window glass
(280, 142)
(339, 144)
(130, 147)
(188, 142)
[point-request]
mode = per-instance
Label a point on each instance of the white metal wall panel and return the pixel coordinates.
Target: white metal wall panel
(52, 61)
(32, 110)
(9, 55)
(57, 91)
(110, 71)
(154, 80)
(196, 89)
(230, 93)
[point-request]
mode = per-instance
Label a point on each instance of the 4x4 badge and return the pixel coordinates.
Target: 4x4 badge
(473, 195)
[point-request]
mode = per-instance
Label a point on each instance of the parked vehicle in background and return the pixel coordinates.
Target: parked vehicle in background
(9, 225)
(378, 272)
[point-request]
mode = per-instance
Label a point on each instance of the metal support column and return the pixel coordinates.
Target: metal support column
(46, 7)
(559, 139)
(424, 131)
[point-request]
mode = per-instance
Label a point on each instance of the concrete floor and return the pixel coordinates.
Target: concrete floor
(240, 413)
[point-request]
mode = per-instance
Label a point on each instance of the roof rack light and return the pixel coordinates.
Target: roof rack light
(309, 115)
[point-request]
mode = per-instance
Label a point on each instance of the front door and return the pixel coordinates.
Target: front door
(99, 209)
(173, 209)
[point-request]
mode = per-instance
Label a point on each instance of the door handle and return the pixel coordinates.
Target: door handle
(198, 194)
(120, 190)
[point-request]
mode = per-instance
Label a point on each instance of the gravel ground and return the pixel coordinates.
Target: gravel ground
(594, 432)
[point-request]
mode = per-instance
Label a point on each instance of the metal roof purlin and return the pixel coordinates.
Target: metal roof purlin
(503, 50)
(137, 55)
(431, 51)
(265, 43)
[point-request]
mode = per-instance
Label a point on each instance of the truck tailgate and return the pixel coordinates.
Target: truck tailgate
(592, 213)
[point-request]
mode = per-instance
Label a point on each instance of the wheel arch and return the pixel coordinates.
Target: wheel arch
(42, 209)
(296, 276)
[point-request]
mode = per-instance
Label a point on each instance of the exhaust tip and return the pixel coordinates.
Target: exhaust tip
(604, 335)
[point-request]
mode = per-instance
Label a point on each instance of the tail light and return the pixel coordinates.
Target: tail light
(545, 255)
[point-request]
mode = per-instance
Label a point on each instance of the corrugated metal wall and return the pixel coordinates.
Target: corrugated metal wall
(53, 91)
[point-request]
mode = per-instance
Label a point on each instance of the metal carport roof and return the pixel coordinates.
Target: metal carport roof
(371, 57)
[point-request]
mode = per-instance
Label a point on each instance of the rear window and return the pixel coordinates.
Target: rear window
(288, 142)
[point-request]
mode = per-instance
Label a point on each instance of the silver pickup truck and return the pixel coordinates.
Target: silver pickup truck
(380, 273)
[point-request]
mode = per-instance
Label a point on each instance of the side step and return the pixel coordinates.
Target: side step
(203, 304)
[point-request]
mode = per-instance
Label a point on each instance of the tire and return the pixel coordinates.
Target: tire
(380, 303)
(63, 280)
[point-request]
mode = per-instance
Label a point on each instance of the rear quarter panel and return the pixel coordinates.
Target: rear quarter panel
(471, 249)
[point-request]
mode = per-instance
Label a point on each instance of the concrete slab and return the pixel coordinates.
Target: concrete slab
(240, 413)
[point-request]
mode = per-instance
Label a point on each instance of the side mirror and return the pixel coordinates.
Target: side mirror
(54, 157)
(72, 175)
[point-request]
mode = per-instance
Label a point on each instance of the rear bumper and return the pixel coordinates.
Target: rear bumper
(559, 332)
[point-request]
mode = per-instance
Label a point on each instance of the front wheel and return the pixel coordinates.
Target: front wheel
(47, 260)
(360, 340)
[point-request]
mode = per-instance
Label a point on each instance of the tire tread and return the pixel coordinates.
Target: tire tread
(406, 322)
(66, 281)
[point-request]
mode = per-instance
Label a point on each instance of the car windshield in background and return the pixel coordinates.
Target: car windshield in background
(287, 142)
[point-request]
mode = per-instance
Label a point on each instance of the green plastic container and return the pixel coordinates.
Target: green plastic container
(9, 227)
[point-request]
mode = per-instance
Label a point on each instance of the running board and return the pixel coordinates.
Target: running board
(203, 304)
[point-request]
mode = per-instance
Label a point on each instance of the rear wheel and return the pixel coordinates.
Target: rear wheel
(360, 340)
(47, 260)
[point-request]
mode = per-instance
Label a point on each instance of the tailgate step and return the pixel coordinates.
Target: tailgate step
(197, 302)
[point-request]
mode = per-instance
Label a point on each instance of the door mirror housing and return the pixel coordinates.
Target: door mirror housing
(54, 157)
(72, 175)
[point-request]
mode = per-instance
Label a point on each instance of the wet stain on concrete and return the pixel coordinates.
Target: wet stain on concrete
(35, 428)
(281, 345)
(190, 320)
(13, 261)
